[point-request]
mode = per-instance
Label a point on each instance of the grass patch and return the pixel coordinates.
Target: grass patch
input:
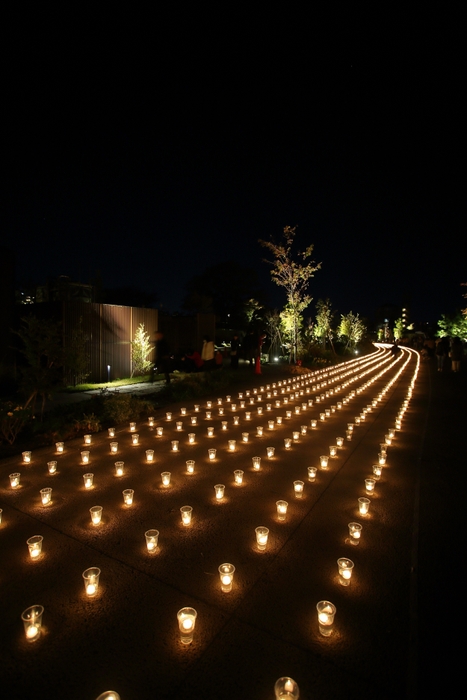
(110, 385)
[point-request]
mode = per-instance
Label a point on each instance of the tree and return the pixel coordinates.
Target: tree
(352, 328)
(322, 329)
(398, 329)
(289, 272)
(453, 326)
(141, 348)
(44, 353)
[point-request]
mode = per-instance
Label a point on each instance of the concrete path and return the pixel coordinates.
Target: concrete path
(126, 637)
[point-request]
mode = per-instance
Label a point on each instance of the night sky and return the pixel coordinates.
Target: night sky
(146, 148)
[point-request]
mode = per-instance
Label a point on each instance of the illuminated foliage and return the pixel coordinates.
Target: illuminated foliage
(322, 330)
(141, 348)
(289, 272)
(398, 329)
(352, 329)
(453, 326)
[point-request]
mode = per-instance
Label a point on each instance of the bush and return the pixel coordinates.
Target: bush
(124, 407)
(12, 420)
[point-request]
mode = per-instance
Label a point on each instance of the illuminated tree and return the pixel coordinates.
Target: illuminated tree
(289, 272)
(352, 328)
(141, 348)
(398, 329)
(322, 330)
(453, 326)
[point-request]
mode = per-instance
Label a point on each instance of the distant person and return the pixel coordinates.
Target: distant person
(162, 356)
(234, 351)
(207, 353)
(194, 358)
(441, 351)
(456, 354)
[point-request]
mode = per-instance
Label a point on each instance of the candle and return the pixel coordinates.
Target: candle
(96, 514)
(114, 447)
(210, 432)
(226, 573)
(245, 437)
(286, 688)
(270, 452)
(91, 581)
(52, 467)
(59, 446)
(340, 441)
(238, 474)
(32, 621)
(298, 488)
(152, 538)
(128, 496)
(363, 506)
(333, 451)
(323, 460)
(174, 445)
(135, 439)
(179, 425)
(85, 457)
(256, 463)
(287, 443)
(111, 432)
(236, 420)
(281, 509)
(232, 445)
(190, 466)
(261, 537)
(355, 531)
(191, 438)
(119, 468)
(88, 480)
(186, 512)
(149, 455)
(87, 439)
(183, 411)
(26, 457)
(35, 546)
(345, 567)
(312, 472)
(369, 485)
(326, 612)
(132, 427)
(46, 496)
(168, 415)
(194, 420)
(150, 422)
(186, 624)
(165, 476)
(259, 431)
(219, 490)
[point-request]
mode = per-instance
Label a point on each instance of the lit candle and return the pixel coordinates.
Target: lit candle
(52, 467)
(179, 425)
(190, 466)
(340, 441)
(261, 537)
(259, 431)
(281, 509)
(168, 415)
(236, 420)
(88, 480)
(196, 408)
(355, 532)
(174, 444)
(286, 688)
(149, 455)
(208, 415)
(323, 460)
(312, 472)
(210, 432)
(186, 512)
(247, 415)
(377, 470)
(183, 411)
(186, 624)
(111, 432)
(46, 496)
(298, 488)
(35, 546)
(87, 439)
(128, 497)
(245, 437)
(26, 457)
(191, 438)
(313, 424)
(150, 422)
(165, 476)
(363, 506)
(238, 474)
(326, 612)
(194, 420)
(113, 447)
(132, 427)
(85, 457)
(270, 452)
(333, 451)
(232, 445)
(219, 490)
(279, 420)
(287, 443)
(369, 485)
(135, 439)
(226, 573)
(91, 581)
(32, 621)
(59, 446)
(345, 567)
(256, 463)
(152, 538)
(96, 514)
(119, 468)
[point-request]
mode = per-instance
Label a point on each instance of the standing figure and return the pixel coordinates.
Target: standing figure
(207, 353)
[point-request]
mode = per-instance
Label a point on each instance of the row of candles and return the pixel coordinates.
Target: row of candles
(187, 616)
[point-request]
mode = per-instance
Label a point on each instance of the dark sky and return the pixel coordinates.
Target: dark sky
(150, 147)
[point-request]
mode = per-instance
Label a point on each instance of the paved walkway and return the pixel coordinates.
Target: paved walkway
(126, 638)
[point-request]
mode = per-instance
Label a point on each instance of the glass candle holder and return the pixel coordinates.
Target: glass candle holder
(236, 420)
(52, 467)
(85, 457)
(287, 443)
(165, 476)
(88, 480)
(111, 432)
(259, 410)
(304, 406)
(262, 534)
(135, 439)
(168, 415)
(348, 434)
(271, 424)
(312, 472)
(256, 463)
(233, 407)
(35, 546)
(174, 445)
(194, 420)
(152, 539)
(186, 624)
(190, 466)
(345, 567)
(150, 422)
(340, 442)
(383, 448)
(339, 405)
(59, 446)
(281, 509)
(87, 439)
(26, 456)
(114, 447)
(279, 420)
(377, 470)
(313, 424)
(132, 427)
(224, 425)
(270, 452)
(303, 429)
(191, 438)
(228, 398)
(297, 410)
(186, 512)
(247, 415)
(91, 581)
(286, 689)
(322, 416)
(370, 485)
(226, 573)
(363, 506)
(208, 415)
(277, 403)
(232, 445)
(245, 437)
(387, 439)
(298, 488)
(212, 453)
(259, 431)
(150, 455)
(128, 497)
(119, 468)
(221, 411)
(269, 406)
(381, 459)
(183, 411)
(96, 514)
(179, 425)
(326, 612)
(296, 435)
(208, 404)
(32, 621)
(219, 402)
(288, 415)
(210, 431)
(323, 461)
(219, 491)
(196, 408)
(333, 450)
(238, 475)
(46, 496)
(355, 532)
